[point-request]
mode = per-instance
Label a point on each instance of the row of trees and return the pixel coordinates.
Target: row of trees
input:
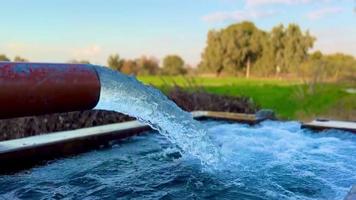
(172, 65)
(333, 67)
(241, 46)
(242, 49)
(3, 57)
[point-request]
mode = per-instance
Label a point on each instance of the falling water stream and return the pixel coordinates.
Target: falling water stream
(126, 95)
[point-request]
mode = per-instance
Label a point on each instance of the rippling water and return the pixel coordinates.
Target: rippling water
(274, 160)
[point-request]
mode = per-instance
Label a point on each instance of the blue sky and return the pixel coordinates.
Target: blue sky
(61, 30)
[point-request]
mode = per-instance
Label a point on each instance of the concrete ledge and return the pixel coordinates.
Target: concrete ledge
(23, 153)
(26, 152)
(330, 124)
(238, 117)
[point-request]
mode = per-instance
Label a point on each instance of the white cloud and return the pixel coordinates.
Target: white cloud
(237, 15)
(87, 52)
(267, 2)
(323, 12)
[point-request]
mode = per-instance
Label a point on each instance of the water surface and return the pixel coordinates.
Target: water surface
(274, 160)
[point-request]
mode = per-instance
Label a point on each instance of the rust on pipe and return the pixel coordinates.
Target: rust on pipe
(40, 88)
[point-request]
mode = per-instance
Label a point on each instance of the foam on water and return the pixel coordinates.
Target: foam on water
(286, 162)
(126, 95)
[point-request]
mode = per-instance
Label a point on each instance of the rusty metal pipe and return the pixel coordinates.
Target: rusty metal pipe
(41, 88)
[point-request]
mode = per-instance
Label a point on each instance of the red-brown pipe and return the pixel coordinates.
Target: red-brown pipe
(40, 88)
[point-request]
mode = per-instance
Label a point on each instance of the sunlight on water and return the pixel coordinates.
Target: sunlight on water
(127, 95)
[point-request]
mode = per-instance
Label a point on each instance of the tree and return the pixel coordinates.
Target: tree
(114, 62)
(312, 73)
(340, 66)
(173, 65)
(296, 47)
(277, 48)
(20, 59)
(147, 66)
(213, 55)
(233, 48)
(265, 65)
(130, 67)
(140, 66)
(287, 48)
(191, 71)
(3, 57)
(245, 45)
(333, 67)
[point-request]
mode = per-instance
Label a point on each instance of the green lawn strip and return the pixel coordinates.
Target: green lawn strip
(279, 95)
(278, 98)
(321, 101)
(209, 81)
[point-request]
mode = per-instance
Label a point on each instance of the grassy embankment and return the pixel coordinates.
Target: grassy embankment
(289, 99)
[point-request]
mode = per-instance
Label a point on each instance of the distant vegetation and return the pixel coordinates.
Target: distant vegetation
(3, 57)
(286, 75)
(20, 59)
(173, 65)
(240, 47)
(243, 50)
(140, 66)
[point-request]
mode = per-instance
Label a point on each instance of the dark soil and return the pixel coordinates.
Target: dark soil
(36, 125)
(189, 101)
(201, 100)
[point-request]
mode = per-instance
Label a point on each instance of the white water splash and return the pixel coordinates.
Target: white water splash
(126, 95)
(282, 161)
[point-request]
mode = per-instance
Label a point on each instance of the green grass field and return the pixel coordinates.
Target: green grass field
(288, 99)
